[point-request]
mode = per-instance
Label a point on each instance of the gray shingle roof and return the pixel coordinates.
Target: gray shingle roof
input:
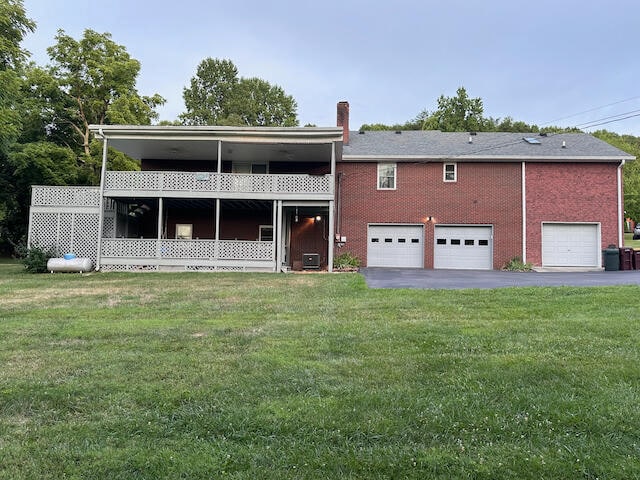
(431, 144)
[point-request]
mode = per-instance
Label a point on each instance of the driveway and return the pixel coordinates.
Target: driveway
(460, 279)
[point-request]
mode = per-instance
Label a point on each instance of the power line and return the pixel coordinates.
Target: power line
(592, 110)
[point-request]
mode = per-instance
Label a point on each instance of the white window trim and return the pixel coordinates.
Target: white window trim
(186, 225)
(395, 176)
(261, 228)
(455, 172)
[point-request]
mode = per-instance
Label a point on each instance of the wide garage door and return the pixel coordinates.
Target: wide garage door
(395, 246)
(463, 247)
(570, 245)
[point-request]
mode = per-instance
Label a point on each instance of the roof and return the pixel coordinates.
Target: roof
(416, 145)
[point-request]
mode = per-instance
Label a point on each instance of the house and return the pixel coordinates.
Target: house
(276, 199)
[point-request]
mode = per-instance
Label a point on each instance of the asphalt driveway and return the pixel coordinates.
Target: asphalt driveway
(460, 279)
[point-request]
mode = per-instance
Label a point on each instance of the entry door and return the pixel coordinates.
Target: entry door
(395, 246)
(463, 247)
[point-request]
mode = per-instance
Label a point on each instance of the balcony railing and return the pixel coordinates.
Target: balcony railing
(138, 248)
(56, 196)
(207, 182)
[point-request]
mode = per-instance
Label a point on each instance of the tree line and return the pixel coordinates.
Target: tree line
(45, 113)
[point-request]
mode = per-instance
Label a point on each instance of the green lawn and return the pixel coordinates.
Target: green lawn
(630, 242)
(199, 376)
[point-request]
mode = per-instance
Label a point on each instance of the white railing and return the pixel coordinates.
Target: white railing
(187, 249)
(57, 196)
(218, 182)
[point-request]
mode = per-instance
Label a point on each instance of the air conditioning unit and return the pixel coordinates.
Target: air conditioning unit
(311, 261)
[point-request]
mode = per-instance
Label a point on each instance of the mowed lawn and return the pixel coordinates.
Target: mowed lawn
(251, 376)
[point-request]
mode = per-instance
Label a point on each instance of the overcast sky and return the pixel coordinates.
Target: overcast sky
(538, 62)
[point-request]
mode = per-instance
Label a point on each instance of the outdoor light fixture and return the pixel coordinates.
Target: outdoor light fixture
(295, 219)
(318, 218)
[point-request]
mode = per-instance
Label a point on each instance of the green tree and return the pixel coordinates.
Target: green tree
(217, 96)
(457, 114)
(631, 170)
(97, 79)
(14, 25)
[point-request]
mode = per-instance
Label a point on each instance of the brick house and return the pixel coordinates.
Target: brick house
(275, 199)
(430, 199)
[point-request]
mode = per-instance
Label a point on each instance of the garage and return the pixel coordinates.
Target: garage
(570, 245)
(463, 247)
(392, 245)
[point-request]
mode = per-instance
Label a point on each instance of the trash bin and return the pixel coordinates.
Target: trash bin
(636, 259)
(626, 259)
(611, 256)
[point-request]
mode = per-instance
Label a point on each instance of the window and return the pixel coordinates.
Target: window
(450, 172)
(441, 241)
(375, 240)
(455, 241)
(266, 233)
(184, 231)
(469, 242)
(386, 176)
(483, 243)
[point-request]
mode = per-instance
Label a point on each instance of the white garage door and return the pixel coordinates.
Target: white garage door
(395, 246)
(570, 245)
(463, 247)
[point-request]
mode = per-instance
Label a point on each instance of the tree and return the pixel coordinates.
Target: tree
(207, 100)
(14, 25)
(216, 96)
(457, 114)
(97, 80)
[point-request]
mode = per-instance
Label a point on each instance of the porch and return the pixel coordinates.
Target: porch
(165, 254)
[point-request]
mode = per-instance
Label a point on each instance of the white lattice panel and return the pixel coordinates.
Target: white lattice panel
(109, 226)
(129, 268)
(66, 233)
(65, 196)
(132, 180)
(231, 249)
(201, 249)
(214, 182)
(44, 230)
(129, 248)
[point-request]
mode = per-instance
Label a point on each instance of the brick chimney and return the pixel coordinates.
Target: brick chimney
(343, 120)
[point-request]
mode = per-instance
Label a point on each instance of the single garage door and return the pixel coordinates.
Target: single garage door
(395, 246)
(570, 245)
(468, 247)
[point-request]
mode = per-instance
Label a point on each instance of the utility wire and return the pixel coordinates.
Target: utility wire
(591, 110)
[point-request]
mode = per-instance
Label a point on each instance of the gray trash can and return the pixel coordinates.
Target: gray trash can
(611, 257)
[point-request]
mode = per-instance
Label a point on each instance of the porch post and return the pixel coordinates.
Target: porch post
(103, 174)
(331, 235)
(160, 215)
(219, 156)
(274, 240)
(278, 222)
(216, 247)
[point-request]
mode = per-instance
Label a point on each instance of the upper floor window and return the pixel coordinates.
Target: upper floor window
(450, 172)
(387, 176)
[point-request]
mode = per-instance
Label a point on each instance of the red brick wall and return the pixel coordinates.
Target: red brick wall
(309, 236)
(485, 193)
(570, 192)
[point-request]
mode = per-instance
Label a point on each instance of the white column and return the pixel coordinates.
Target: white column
(103, 175)
(330, 241)
(216, 248)
(276, 227)
(219, 156)
(160, 215)
(278, 234)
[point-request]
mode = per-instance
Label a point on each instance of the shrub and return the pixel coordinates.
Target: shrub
(346, 261)
(35, 258)
(517, 265)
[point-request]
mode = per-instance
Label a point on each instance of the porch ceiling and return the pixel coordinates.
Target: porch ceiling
(207, 149)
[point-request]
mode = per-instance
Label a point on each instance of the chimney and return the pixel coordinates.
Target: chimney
(343, 120)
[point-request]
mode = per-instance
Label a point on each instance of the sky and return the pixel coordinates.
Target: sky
(549, 62)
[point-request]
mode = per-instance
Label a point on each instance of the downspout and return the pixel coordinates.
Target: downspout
(524, 212)
(620, 210)
(103, 175)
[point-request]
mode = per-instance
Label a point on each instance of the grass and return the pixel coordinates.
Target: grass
(149, 376)
(630, 242)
